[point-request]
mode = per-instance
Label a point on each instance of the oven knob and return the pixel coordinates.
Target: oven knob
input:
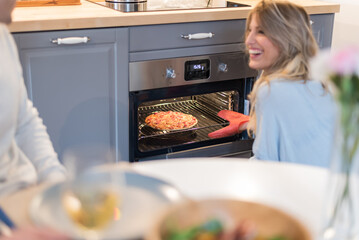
(170, 73)
(222, 67)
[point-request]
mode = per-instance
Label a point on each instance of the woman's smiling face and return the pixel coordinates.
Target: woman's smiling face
(262, 52)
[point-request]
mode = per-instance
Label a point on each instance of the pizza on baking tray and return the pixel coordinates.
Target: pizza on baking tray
(170, 120)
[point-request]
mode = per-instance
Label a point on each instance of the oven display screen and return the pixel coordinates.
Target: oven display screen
(197, 69)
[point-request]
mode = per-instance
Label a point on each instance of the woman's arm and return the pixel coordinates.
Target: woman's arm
(267, 141)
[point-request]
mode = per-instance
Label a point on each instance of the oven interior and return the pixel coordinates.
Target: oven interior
(204, 107)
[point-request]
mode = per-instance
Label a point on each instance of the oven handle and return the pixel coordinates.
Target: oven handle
(196, 36)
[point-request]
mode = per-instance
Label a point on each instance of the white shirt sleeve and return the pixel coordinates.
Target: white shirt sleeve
(25, 144)
(32, 138)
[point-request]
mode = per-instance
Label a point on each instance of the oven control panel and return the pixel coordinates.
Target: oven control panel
(196, 69)
(188, 70)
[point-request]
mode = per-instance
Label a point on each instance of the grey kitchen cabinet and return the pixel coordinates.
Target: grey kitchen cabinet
(167, 40)
(77, 87)
(170, 36)
(322, 26)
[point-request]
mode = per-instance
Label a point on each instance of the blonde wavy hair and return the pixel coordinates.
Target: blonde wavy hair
(288, 27)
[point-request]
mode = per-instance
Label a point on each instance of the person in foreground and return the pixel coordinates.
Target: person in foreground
(292, 116)
(26, 153)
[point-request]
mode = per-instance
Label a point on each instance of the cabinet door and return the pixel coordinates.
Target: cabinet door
(74, 86)
(322, 25)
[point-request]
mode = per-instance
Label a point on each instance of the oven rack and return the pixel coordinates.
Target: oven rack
(206, 117)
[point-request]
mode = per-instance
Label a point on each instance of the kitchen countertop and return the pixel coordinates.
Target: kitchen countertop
(91, 15)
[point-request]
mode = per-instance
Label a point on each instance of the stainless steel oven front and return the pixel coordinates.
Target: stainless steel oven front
(200, 86)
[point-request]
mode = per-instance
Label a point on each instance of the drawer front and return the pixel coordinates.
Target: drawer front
(168, 36)
(48, 39)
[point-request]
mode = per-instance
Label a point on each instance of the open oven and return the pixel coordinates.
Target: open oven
(198, 85)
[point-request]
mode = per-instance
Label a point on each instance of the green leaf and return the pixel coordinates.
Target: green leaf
(278, 238)
(186, 234)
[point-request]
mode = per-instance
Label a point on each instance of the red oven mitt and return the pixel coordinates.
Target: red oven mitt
(235, 119)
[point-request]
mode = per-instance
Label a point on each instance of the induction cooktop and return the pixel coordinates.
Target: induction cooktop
(166, 5)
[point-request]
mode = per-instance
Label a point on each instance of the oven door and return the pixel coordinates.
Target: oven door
(203, 101)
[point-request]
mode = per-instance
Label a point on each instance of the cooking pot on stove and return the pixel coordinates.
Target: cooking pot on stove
(125, 1)
(127, 5)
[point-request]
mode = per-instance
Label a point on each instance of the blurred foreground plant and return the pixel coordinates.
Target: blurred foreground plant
(341, 71)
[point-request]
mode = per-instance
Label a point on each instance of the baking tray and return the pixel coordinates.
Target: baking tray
(206, 118)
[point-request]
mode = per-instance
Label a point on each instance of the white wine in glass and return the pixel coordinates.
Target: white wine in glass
(91, 208)
(91, 197)
(90, 212)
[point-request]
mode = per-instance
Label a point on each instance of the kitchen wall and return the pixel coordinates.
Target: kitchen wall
(346, 24)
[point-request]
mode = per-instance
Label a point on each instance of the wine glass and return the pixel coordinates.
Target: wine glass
(91, 197)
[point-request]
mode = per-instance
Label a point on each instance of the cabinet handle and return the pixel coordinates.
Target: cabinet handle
(70, 40)
(197, 36)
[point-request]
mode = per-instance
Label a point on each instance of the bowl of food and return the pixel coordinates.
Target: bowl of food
(226, 219)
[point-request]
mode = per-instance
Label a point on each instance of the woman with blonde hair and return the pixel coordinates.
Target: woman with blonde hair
(292, 116)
